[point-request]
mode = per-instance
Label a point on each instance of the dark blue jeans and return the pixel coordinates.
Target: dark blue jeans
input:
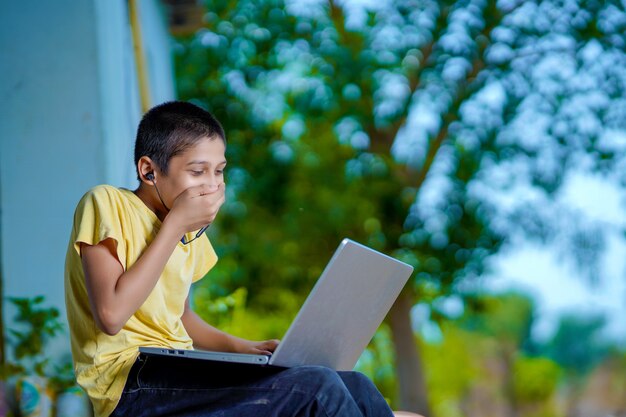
(177, 387)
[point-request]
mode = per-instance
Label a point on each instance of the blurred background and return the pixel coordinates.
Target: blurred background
(481, 141)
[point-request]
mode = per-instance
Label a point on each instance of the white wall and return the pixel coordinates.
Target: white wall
(119, 90)
(69, 107)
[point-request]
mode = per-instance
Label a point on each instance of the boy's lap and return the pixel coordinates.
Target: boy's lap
(170, 386)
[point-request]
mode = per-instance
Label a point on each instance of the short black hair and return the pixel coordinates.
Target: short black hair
(168, 129)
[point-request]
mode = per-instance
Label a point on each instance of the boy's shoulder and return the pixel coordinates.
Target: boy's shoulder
(104, 190)
(104, 193)
(106, 201)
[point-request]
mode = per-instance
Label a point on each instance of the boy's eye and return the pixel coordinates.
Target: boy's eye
(196, 173)
(220, 172)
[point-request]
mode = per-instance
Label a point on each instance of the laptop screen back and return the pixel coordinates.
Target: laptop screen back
(344, 309)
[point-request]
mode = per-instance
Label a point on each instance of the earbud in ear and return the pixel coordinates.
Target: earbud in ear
(150, 176)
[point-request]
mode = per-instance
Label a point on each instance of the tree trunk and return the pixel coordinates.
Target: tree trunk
(409, 368)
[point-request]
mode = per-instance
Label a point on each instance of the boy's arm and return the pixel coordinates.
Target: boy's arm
(114, 294)
(207, 337)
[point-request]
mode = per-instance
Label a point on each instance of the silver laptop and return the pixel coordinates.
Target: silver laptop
(339, 317)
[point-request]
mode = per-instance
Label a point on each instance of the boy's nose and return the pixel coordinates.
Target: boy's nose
(213, 184)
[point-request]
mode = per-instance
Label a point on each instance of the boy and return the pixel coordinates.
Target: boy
(131, 259)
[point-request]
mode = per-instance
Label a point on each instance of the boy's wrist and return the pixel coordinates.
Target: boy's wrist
(171, 226)
(235, 343)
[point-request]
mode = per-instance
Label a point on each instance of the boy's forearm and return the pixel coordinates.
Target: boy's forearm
(136, 284)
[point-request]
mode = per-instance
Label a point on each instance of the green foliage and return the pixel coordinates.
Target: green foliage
(481, 356)
(62, 375)
(506, 317)
(535, 379)
(377, 362)
(296, 97)
(305, 98)
(578, 344)
(230, 313)
(453, 366)
(222, 311)
(37, 325)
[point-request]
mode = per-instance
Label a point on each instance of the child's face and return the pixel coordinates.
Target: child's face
(200, 164)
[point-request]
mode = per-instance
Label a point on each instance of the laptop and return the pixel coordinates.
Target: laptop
(339, 317)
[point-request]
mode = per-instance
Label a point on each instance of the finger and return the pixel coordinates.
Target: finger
(213, 200)
(220, 191)
(205, 189)
(197, 191)
(216, 202)
(270, 345)
(213, 207)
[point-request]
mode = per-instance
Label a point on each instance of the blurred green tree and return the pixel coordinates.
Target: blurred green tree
(536, 382)
(483, 355)
(404, 125)
(506, 318)
(578, 344)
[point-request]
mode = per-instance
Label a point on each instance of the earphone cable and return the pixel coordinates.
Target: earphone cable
(159, 194)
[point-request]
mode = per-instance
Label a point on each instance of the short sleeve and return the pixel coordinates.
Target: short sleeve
(98, 218)
(206, 258)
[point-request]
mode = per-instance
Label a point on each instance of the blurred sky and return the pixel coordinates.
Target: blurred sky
(557, 287)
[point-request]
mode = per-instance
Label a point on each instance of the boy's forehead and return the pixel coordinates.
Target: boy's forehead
(206, 150)
(205, 162)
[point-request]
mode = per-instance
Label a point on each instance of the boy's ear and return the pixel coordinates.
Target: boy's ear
(145, 168)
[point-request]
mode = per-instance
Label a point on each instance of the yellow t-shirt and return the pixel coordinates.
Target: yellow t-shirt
(102, 362)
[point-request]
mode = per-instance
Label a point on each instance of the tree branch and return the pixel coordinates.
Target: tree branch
(466, 89)
(382, 139)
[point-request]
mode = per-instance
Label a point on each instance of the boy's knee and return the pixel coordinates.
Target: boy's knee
(359, 384)
(320, 390)
(321, 374)
(355, 378)
(318, 378)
